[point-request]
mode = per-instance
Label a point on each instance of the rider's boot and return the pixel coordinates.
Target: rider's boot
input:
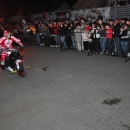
(9, 68)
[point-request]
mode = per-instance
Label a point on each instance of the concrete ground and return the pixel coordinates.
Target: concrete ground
(69, 94)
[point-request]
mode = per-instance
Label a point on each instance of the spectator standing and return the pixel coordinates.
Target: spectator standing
(109, 37)
(42, 37)
(87, 40)
(111, 23)
(37, 27)
(23, 21)
(44, 17)
(73, 38)
(28, 33)
(99, 22)
(99, 16)
(112, 3)
(122, 22)
(56, 33)
(62, 36)
(21, 33)
(46, 35)
(102, 33)
(82, 22)
(33, 37)
(78, 34)
(121, 3)
(68, 36)
(52, 36)
(116, 35)
(118, 3)
(96, 37)
(124, 34)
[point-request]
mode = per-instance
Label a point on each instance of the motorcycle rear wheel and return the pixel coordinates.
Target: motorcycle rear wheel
(22, 72)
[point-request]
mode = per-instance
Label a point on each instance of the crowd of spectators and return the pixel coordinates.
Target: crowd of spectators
(111, 37)
(119, 3)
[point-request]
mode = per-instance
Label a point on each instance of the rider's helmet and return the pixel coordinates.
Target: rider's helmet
(7, 34)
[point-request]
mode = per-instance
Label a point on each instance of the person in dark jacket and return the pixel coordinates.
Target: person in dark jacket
(68, 36)
(62, 36)
(73, 37)
(116, 36)
(52, 36)
(37, 26)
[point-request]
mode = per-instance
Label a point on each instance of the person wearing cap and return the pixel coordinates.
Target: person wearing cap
(6, 43)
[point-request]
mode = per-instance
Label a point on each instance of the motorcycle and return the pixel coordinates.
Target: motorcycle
(17, 61)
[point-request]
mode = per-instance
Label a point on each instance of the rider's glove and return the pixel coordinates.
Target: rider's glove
(21, 46)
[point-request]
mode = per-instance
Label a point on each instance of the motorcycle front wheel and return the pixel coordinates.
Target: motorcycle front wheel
(22, 72)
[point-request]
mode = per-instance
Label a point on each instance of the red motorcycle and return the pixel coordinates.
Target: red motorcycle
(17, 61)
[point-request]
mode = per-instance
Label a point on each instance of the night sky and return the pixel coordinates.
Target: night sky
(24, 7)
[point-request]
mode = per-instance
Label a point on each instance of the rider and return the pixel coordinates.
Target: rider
(6, 44)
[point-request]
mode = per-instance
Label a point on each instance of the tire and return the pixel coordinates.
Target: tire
(22, 72)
